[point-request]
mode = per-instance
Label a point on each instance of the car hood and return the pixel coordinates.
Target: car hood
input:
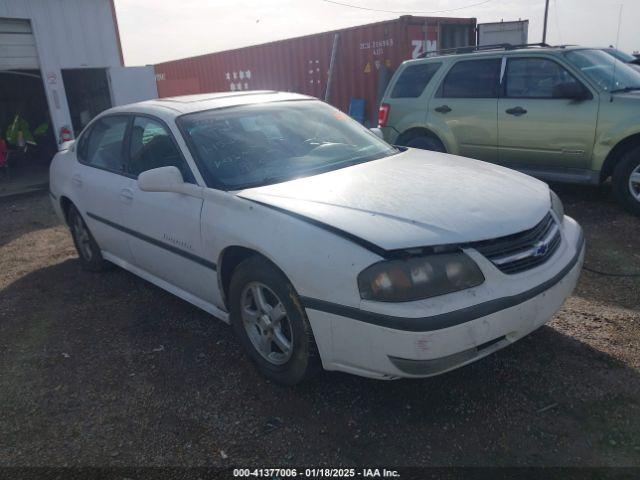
(414, 199)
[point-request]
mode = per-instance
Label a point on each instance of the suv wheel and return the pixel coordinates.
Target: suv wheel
(626, 180)
(269, 320)
(427, 142)
(86, 246)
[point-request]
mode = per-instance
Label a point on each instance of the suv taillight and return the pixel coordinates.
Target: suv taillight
(383, 114)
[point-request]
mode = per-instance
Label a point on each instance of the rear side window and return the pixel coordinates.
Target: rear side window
(414, 79)
(472, 79)
(151, 146)
(102, 145)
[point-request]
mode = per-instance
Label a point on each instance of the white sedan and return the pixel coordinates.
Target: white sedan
(321, 244)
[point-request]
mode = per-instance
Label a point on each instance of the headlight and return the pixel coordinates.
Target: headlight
(419, 277)
(556, 205)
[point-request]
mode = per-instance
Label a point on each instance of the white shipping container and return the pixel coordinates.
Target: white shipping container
(513, 33)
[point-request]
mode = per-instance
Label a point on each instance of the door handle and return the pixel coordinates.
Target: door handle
(517, 111)
(76, 180)
(126, 195)
(443, 109)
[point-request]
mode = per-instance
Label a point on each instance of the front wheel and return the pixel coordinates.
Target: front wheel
(270, 322)
(427, 142)
(626, 180)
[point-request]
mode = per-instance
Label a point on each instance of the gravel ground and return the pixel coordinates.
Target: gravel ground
(106, 369)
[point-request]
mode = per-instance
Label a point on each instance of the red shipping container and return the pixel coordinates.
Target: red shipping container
(366, 56)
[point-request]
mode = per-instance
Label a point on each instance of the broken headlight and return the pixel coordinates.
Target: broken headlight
(404, 280)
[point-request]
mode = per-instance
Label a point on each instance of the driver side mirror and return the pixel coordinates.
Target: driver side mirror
(162, 179)
(166, 179)
(571, 91)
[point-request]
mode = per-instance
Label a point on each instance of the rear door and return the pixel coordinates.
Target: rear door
(538, 128)
(408, 97)
(165, 236)
(465, 108)
(98, 180)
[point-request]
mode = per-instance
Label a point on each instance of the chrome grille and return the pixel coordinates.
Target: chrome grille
(522, 251)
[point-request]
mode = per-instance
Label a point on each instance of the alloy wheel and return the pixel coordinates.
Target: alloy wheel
(265, 320)
(83, 240)
(634, 183)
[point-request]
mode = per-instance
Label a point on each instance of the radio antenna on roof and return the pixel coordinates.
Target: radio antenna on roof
(615, 60)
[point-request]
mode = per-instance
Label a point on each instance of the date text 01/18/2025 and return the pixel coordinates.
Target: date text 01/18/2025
(284, 473)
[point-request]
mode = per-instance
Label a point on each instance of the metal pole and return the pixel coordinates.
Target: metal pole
(331, 65)
(546, 14)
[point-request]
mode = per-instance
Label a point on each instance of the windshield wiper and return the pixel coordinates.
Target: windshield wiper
(625, 89)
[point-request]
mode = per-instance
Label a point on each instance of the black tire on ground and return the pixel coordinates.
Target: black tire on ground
(628, 164)
(86, 246)
(304, 360)
(427, 142)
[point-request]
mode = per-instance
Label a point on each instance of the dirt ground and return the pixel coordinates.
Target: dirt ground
(106, 369)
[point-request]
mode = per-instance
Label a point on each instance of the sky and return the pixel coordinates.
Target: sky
(153, 31)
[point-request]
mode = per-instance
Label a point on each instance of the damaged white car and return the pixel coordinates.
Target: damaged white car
(321, 244)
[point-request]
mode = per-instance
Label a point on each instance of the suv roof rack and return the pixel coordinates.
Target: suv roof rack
(484, 48)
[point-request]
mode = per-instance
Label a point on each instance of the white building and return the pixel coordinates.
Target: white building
(61, 63)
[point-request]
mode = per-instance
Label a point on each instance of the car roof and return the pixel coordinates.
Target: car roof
(176, 106)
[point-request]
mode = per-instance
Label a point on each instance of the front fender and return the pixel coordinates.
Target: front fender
(610, 132)
(319, 264)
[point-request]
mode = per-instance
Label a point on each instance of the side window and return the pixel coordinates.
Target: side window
(102, 145)
(472, 79)
(413, 80)
(151, 146)
(536, 78)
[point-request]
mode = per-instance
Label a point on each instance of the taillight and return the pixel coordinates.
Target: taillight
(383, 114)
(66, 134)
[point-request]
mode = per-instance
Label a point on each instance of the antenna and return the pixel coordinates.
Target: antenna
(615, 60)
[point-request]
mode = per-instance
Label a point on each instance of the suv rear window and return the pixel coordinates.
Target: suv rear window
(472, 79)
(414, 79)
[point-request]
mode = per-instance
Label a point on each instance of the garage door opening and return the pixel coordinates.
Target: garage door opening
(88, 94)
(25, 123)
(25, 128)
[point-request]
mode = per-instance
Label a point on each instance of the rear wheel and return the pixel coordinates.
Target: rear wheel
(269, 320)
(626, 180)
(86, 246)
(426, 142)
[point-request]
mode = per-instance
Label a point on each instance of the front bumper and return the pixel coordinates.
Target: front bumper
(363, 344)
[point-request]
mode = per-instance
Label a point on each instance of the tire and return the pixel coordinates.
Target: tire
(86, 246)
(427, 142)
(627, 191)
(265, 339)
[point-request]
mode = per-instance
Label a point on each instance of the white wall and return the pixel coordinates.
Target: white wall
(68, 34)
(132, 84)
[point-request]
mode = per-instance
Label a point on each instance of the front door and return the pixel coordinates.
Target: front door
(165, 236)
(465, 107)
(538, 129)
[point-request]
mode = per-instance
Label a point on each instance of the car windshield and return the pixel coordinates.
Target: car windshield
(254, 145)
(608, 72)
